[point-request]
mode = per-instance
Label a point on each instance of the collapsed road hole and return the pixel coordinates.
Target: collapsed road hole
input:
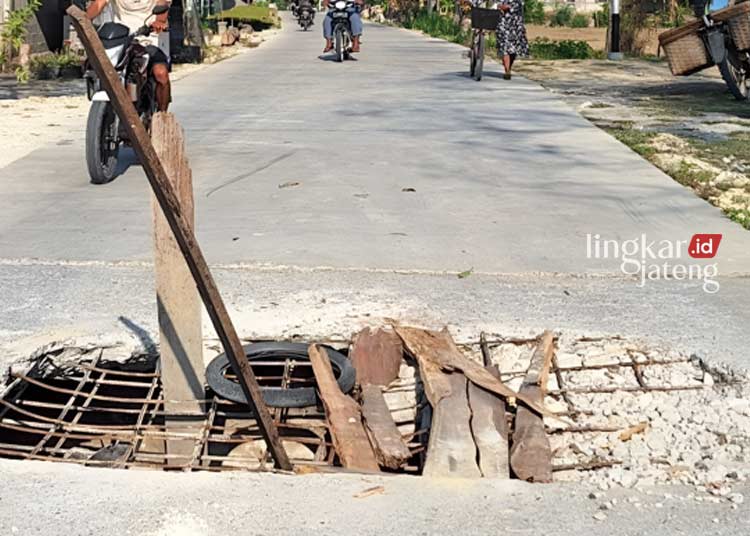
(636, 413)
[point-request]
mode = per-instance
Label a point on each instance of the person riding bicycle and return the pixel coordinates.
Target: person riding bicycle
(354, 20)
(132, 13)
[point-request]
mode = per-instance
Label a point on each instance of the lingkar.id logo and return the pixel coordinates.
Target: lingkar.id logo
(661, 259)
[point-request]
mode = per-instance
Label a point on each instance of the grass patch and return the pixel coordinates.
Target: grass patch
(736, 147)
(638, 140)
(543, 48)
(258, 16)
(688, 174)
(739, 215)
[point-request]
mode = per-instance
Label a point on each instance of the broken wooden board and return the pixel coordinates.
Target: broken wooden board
(376, 355)
(178, 303)
(531, 454)
(489, 429)
(184, 236)
(390, 447)
(451, 451)
(435, 350)
(344, 417)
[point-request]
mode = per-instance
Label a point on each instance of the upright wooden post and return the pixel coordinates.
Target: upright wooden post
(183, 234)
(180, 341)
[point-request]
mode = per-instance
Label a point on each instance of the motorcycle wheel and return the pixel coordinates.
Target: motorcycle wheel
(339, 44)
(102, 142)
(734, 73)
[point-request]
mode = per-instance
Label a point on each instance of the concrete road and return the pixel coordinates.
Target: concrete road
(391, 173)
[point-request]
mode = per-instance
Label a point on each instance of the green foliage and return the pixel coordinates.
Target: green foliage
(259, 17)
(562, 16)
(542, 48)
(739, 215)
(437, 25)
(580, 20)
(14, 31)
(601, 17)
(533, 12)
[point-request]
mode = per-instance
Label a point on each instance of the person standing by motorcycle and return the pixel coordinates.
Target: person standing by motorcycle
(354, 20)
(132, 13)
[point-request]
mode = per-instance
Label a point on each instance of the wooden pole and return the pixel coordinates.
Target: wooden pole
(169, 204)
(183, 374)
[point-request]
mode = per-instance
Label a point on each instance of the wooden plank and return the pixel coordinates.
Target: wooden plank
(344, 417)
(390, 448)
(531, 455)
(180, 337)
(451, 451)
(180, 227)
(436, 350)
(489, 429)
(376, 355)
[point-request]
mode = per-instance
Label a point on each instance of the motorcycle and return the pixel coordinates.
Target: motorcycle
(305, 16)
(104, 136)
(733, 63)
(342, 28)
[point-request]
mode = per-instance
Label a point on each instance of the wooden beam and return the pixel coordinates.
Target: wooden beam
(344, 416)
(376, 355)
(390, 447)
(489, 429)
(451, 451)
(180, 227)
(436, 349)
(178, 302)
(531, 455)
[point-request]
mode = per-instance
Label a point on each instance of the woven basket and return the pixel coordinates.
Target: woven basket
(738, 19)
(685, 49)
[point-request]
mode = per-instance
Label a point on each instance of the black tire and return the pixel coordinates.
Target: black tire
(277, 397)
(734, 73)
(339, 44)
(479, 62)
(102, 143)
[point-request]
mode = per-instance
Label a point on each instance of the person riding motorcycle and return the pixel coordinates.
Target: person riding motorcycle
(303, 4)
(354, 20)
(132, 13)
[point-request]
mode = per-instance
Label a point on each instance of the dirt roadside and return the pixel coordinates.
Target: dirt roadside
(691, 128)
(54, 112)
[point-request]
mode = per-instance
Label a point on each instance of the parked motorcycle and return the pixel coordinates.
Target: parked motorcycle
(130, 59)
(733, 63)
(305, 16)
(342, 28)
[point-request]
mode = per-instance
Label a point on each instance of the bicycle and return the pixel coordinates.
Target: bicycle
(482, 20)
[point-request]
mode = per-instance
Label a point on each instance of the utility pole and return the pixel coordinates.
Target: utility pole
(614, 31)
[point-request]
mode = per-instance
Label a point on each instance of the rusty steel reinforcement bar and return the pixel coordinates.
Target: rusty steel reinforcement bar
(165, 194)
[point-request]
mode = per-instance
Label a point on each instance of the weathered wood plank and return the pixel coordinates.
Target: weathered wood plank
(376, 355)
(344, 416)
(178, 223)
(178, 303)
(390, 447)
(451, 451)
(436, 350)
(489, 429)
(531, 455)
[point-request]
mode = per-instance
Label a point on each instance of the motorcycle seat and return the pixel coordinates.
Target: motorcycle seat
(112, 31)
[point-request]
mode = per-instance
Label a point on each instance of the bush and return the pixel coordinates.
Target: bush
(563, 16)
(533, 11)
(436, 25)
(542, 48)
(259, 17)
(580, 20)
(601, 17)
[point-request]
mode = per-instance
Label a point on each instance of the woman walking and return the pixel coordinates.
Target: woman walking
(511, 34)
